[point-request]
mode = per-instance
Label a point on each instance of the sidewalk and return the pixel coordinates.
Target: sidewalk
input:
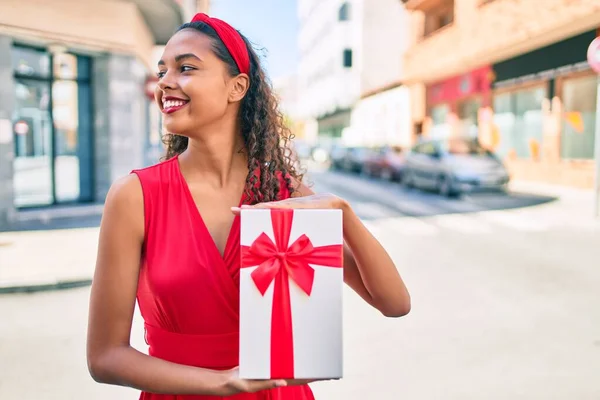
(580, 202)
(50, 250)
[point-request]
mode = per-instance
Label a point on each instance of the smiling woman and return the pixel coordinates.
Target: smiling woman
(170, 233)
(262, 125)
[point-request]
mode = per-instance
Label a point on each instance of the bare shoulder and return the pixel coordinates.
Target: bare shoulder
(125, 202)
(127, 190)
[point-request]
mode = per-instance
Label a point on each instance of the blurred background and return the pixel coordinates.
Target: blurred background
(464, 133)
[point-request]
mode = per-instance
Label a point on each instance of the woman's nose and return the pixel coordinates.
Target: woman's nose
(167, 82)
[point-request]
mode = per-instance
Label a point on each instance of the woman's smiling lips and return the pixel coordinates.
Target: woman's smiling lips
(172, 104)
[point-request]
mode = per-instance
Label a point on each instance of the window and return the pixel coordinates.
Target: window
(439, 114)
(468, 111)
(439, 17)
(344, 13)
(579, 117)
(31, 62)
(52, 128)
(347, 58)
(440, 128)
(462, 146)
(427, 148)
(518, 117)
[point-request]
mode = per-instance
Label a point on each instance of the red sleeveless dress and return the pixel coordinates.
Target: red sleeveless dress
(188, 294)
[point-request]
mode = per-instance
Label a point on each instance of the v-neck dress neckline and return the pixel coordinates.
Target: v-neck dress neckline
(235, 225)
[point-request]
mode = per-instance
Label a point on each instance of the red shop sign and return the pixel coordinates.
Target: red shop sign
(475, 82)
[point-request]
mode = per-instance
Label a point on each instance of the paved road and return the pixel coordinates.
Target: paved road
(505, 306)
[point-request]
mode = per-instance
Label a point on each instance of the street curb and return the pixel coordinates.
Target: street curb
(45, 287)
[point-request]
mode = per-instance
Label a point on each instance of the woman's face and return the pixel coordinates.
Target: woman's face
(193, 90)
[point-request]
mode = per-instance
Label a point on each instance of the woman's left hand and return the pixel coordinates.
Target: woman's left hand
(320, 201)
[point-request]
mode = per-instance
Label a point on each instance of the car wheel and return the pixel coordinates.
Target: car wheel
(445, 187)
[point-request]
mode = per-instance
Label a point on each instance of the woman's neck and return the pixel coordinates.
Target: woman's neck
(216, 156)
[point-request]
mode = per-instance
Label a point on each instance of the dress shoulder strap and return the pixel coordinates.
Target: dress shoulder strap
(154, 181)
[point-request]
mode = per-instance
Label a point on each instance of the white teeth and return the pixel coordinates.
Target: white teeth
(173, 103)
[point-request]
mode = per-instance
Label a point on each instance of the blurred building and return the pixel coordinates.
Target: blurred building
(74, 108)
(345, 48)
(512, 73)
(286, 89)
(191, 7)
(381, 116)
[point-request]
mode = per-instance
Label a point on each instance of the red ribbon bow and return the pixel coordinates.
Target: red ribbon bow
(279, 262)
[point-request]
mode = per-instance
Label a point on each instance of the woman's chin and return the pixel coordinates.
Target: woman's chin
(174, 127)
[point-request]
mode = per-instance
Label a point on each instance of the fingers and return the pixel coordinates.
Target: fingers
(257, 386)
(295, 382)
(270, 204)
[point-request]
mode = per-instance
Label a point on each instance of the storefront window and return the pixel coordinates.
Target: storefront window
(468, 117)
(579, 118)
(32, 126)
(31, 62)
(439, 114)
(504, 121)
(439, 118)
(519, 120)
(52, 125)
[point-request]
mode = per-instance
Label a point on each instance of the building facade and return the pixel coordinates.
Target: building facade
(381, 116)
(74, 112)
(512, 73)
(328, 79)
(286, 90)
(345, 48)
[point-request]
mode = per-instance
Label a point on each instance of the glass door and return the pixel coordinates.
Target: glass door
(52, 128)
(72, 116)
(33, 144)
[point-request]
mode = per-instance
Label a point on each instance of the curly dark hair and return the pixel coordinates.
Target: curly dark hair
(267, 138)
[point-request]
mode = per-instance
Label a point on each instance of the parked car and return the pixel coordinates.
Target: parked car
(337, 154)
(354, 158)
(454, 166)
(386, 163)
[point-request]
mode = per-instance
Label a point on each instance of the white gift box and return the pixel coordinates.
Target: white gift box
(299, 335)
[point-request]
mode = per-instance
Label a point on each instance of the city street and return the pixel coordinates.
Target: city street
(504, 306)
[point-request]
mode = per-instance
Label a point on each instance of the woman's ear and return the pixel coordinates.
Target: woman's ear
(239, 87)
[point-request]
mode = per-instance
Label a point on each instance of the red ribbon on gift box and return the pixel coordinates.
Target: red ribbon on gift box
(281, 262)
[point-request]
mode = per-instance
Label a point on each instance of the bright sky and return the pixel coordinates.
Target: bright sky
(269, 24)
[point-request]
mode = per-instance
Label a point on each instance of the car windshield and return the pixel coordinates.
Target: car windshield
(464, 147)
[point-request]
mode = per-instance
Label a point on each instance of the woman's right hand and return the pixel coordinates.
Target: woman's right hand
(232, 384)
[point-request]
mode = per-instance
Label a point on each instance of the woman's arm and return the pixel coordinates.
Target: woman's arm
(368, 269)
(110, 357)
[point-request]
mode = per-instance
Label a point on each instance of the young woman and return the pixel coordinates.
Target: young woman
(170, 232)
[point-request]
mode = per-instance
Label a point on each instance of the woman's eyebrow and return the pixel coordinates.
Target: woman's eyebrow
(180, 57)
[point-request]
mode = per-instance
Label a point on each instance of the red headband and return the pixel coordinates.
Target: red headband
(231, 38)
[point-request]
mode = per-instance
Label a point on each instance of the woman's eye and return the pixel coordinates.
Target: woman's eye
(186, 68)
(160, 74)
